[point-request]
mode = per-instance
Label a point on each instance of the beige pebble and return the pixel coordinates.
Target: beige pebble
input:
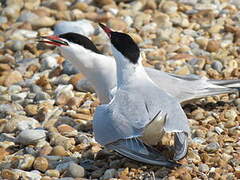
(40, 164)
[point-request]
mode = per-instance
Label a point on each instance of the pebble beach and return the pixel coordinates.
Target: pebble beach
(47, 106)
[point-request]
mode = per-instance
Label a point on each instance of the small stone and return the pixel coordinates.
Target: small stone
(59, 151)
(193, 157)
(5, 67)
(219, 130)
(52, 173)
(104, 2)
(237, 101)
(83, 27)
(40, 164)
(116, 23)
(31, 109)
(3, 153)
(10, 78)
(213, 46)
(44, 21)
(233, 64)
(69, 68)
(25, 162)
(59, 5)
(230, 124)
(49, 62)
(85, 86)
(237, 172)
(32, 4)
(183, 70)
(13, 89)
(169, 7)
(163, 21)
(32, 175)
(109, 173)
(64, 94)
(19, 96)
(12, 11)
(212, 147)
(67, 130)
(75, 170)
(40, 96)
(97, 173)
(30, 136)
(230, 114)
(203, 168)
(27, 123)
(17, 45)
(45, 150)
(217, 65)
(202, 42)
(10, 174)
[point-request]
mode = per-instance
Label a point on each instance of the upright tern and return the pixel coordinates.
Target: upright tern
(140, 112)
(100, 71)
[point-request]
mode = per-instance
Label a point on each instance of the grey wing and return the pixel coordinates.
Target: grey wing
(123, 118)
(189, 87)
(175, 119)
(135, 149)
(104, 132)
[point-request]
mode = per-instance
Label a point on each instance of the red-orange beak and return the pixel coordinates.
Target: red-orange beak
(107, 30)
(54, 40)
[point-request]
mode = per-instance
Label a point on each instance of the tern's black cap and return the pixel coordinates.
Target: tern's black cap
(80, 40)
(125, 44)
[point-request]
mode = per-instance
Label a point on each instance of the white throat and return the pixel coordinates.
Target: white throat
(97, 68)
(127, 71)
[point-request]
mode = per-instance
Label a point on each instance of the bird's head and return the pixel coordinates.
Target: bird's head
(70, 42)
(122, 43)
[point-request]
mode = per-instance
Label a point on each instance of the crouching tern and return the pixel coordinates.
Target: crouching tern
(140, 112)
(100, 71)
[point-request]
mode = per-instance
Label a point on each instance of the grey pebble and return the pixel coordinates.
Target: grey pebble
(5, 97)
(69, 69)
(218, 130)
(237, 101)
(49, 62)
(75, 170)
(41, 96)
(198, 140)
(217, 65)
(2, 89)
(17, 45)
(85, 86)
(212, 147)
(3, 19)
(27, 16)
(35, 88)
(19, 96)
(109, 173)
(83, 27)
(30, 136)
(14, 89)
(29, 123)
(203, 168)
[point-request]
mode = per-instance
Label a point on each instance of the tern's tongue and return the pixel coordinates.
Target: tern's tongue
(107, 30)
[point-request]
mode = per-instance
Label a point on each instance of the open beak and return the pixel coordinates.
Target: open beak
(107, 30)
(54, 40)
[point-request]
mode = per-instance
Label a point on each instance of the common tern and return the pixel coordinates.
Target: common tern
(140, 112)
(100, 71)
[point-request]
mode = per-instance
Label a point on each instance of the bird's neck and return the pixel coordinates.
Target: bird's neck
(127, 71)
(97, 68)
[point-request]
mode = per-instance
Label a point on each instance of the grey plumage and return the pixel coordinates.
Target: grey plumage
(127, 115)
(100, 70)
(190, 87)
